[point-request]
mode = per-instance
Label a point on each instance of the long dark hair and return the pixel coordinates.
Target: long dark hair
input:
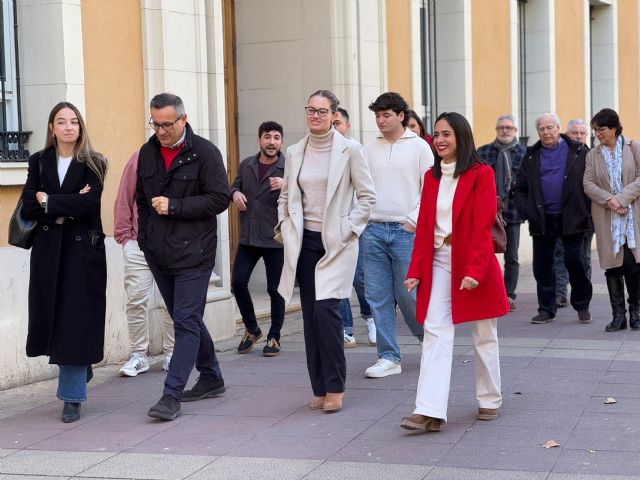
(83, 151)
(412, 114)
(466, 154)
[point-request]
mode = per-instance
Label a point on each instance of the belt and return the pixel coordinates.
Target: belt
(447, 240)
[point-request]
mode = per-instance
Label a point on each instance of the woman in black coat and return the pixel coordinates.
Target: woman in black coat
(68, 274)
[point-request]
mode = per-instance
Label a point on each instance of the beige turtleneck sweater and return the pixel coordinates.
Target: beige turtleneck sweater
(313, 177)
(444, 205)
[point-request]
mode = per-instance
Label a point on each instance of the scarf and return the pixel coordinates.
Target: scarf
(621, 225)
(502, 168)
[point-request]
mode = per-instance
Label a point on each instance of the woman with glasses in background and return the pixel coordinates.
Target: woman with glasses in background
(68, 276)
(319, 223)
(612, 182)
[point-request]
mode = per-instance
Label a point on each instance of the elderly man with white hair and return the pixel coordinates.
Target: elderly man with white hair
(549, 195)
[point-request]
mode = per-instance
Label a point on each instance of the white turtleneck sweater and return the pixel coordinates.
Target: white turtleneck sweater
(313, 177)
(444, 205)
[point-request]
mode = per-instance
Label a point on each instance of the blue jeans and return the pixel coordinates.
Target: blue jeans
(185, 295)
(387, 254)
(358, 283)
(347, 316)
(72, 383)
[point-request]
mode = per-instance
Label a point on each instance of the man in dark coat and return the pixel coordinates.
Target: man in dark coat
(505, 155)
(182, 186)
(550, 196)
(255, 192)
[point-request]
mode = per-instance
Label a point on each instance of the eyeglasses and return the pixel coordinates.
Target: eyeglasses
(322, 112)
(600, 130)
(166, 126)
(505, 127)
(546, 128)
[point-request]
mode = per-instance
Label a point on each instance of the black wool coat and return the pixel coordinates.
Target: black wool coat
(261, 216)
(68, 275)
(527, 191)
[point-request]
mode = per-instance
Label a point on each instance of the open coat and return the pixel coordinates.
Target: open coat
(473, 214)
(68, 276)
(598, 188)
(344, 217)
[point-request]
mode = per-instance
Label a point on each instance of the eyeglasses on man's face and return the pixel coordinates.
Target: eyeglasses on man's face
(166, 126)
(322, 112)
(506, 128)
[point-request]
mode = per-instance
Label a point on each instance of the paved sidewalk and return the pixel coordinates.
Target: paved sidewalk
(556, 379)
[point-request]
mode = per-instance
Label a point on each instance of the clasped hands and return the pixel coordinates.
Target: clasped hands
(616, 206)
(160, 205)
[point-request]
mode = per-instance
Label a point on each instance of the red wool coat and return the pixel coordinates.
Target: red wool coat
(474, 212)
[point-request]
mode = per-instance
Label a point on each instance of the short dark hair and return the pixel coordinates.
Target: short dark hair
(165, 99)
(466, 154)
(329, 95)
(344, 113)
(269, 126)
(412, 114)
(391, 101)
(607, 118)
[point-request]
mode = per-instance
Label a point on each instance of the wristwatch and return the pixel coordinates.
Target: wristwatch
(43, 203)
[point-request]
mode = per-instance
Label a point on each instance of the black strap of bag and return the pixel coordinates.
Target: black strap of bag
(22, 230)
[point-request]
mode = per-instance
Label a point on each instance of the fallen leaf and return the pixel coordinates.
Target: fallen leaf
(591, 450)
(610, 400)
(550, 444)
(466, 361)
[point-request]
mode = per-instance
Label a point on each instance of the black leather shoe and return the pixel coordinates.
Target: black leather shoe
(70, 412)
(542, 317)
(204, 388)
(167, 408)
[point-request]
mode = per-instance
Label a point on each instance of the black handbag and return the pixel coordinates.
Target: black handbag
(21, 230)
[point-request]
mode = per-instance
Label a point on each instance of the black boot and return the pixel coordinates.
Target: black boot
(70, 412)
(634, 316)
(632, 279)
(615, 285)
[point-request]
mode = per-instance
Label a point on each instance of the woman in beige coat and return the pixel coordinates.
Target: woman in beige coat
(612, 181)
(325, 202)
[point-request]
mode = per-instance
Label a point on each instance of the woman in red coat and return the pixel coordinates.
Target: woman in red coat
(457, 274)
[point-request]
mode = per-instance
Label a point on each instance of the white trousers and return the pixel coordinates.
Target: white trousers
(437, 349)
(138, 285)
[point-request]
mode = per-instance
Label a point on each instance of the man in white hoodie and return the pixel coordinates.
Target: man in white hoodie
(398, 160)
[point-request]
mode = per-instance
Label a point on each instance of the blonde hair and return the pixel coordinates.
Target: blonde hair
(83, 151)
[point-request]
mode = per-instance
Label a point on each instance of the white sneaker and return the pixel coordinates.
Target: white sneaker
(138, 363)
(371, 330)
(383, 368)
(349, 341)
(166, 362)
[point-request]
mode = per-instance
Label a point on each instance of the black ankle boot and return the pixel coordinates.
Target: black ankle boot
(634, 316)
(70, 412)
(615, 285)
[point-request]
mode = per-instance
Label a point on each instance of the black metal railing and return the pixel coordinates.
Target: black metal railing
(13, 143)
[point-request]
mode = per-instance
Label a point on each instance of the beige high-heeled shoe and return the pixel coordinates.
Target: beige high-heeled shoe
(317, 403)
(333, 402)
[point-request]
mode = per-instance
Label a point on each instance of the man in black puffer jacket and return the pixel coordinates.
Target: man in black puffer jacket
(182, 186)
(549, 195)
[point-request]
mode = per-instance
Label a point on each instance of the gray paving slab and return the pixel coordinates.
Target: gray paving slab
(7, 451)
(150, 466)
(185, 443)
(377, 451)
(238, 468)
(448, 473)
(526, 459)
(30, 477)
(18, 437)
(367, 471)
(579, 476)
(599, 462)
(35, 462)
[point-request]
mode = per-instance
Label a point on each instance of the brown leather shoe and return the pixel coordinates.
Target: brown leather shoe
(317, 403)
(487, 414)
(333, 402)
(421, 422)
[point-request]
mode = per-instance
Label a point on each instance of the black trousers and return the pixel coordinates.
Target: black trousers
(323, 337)
(185, 295)
(511, 265)
(630, 270)
(544, 247)
(246, 259)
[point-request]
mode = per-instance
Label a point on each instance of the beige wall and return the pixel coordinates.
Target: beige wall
(491, 52)
(399, 48)
(114, 89)
(8, 199)
(628, 67)
(570, 68)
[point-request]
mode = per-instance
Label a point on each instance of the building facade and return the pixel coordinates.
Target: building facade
(236, 63)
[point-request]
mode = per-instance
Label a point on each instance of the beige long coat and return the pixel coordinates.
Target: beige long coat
(345, 217)
(597, 187)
